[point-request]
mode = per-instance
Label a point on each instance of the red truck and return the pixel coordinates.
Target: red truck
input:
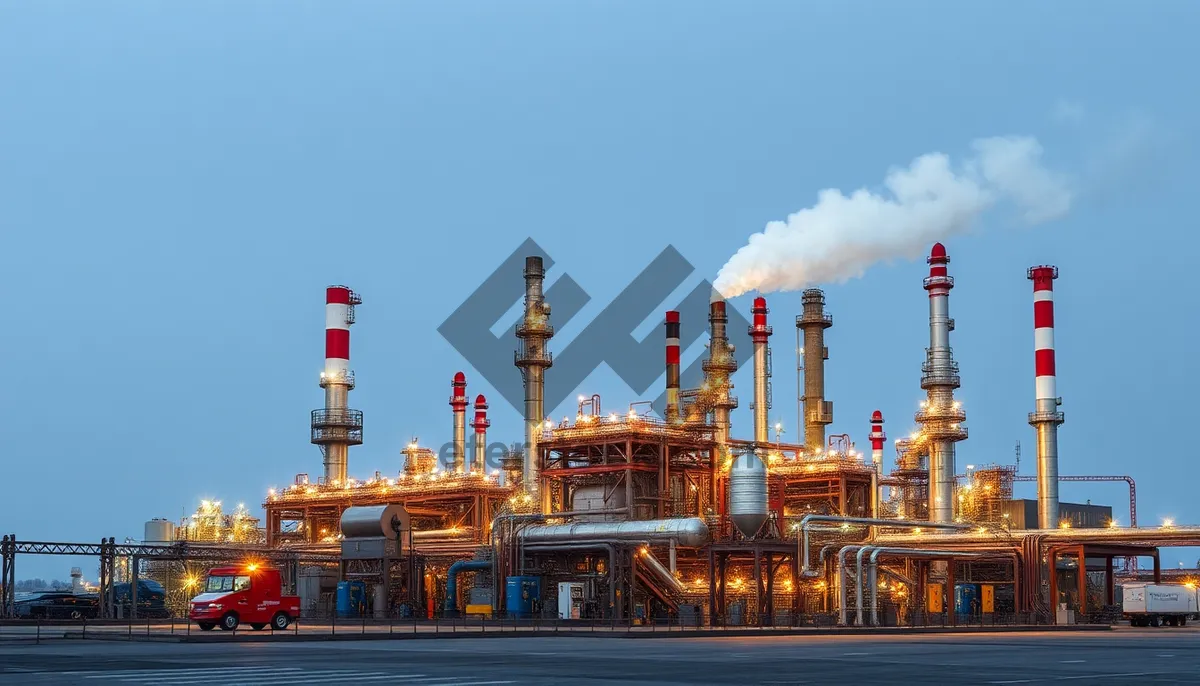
(249, 594)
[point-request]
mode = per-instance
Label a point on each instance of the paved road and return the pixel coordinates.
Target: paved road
(1125, 656)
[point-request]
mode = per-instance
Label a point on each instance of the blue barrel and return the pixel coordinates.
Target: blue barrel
(351, 598)
(520, 593)
(966, 599)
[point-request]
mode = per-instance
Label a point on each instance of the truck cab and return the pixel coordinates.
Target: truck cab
(249, 594)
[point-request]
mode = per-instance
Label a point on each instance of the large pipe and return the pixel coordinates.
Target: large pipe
(458, 401)
(451, 608)
(1046, 418)
(480, 424)
(941, 417)
(873, 576)
(807, 521)
(664, 575)
(689, 532)
(533, 359)
(759, 332)
(818, 413)
(337, 427)
(718, 368)
(672, 410)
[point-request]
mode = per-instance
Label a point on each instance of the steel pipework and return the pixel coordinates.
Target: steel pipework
(872, 572)
(807, 520)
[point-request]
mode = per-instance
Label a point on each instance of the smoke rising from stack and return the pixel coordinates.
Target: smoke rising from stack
(840, 236)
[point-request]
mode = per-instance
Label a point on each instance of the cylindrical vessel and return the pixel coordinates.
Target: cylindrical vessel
(1046, 417)
(458, 403)
(748, 493)
(533, 358)
(759, 332)
(480, 424)
(672, 328)
(159, 530)
(337, 428)
(818, 413)
(373, 521)
(689, 532)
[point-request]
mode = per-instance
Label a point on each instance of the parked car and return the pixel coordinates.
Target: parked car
(58, 605)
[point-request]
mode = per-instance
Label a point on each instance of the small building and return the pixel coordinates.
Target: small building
(1022, 514)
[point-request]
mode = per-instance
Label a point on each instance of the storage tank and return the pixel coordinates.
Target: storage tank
(373, 521)
(159, 530)
(520, 594)
(748, 493)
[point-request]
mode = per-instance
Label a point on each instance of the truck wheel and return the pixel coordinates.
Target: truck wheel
(205, 626)
(1155, 622)
(280, 621)
(229, 622)
(1182, 621)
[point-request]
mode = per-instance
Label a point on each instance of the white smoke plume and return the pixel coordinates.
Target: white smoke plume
(842, 235)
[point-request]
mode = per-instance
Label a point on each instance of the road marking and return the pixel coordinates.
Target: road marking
(304, 679)
(262, 678)
(117, 673)
(855, 654)
(1166, 655)
(1071, 662)
(1075, 678)
(1013, 681)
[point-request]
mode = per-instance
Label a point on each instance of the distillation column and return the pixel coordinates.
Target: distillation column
(940, 417)
(533, 358)
(818, 412)
(1046, 418)
(672, 410)
(336, 427)
(759, 332)
(458, 402)
(480, 424)
(718, 370)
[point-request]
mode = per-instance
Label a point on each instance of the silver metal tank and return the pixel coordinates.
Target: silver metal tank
(159, 530)
(592, 497)
(373, 521)
(689, 532)
(748, 493)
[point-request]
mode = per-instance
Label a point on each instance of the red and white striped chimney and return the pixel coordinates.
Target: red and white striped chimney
(877, 437)
(458, 401)
(759, 332)
(481, 425)
(336, 427)
(672, 411)
(1046, 417)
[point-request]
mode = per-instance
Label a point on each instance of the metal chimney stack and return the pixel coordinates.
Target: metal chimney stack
(336, 427)
(941, 417)
(480, 424)
(533, 358)
(458, 401)
(812, 322)
(878, 437)
(1046, 418)
(672, 410)
(759, 332)
(718, 369)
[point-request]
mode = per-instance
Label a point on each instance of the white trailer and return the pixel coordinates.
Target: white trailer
(1148, 604)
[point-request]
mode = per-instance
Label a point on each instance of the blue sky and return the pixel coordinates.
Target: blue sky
(179, 181)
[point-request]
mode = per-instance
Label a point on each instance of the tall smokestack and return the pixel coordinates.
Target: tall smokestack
(759, 332)
(1046, 418)
(941, 417)
(818, 412)
(480, 425)
(458, 401)
(718, 369)
(336, 427)
(533, 358)
(877, 437)
(672, 411)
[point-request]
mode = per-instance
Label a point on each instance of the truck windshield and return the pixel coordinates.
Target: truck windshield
(226, 584)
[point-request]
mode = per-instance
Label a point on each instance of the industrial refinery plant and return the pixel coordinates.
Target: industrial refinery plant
(624, 515)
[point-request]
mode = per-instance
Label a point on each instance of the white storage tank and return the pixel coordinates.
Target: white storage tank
(748, 493)
(159, 530)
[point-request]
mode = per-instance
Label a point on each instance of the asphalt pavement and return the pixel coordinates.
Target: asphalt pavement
(1124, 656)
